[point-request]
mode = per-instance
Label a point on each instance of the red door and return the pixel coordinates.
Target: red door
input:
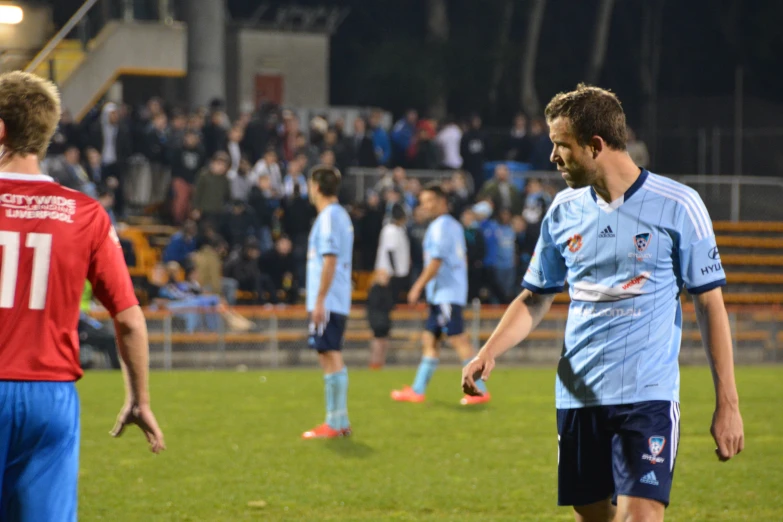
(269, 88)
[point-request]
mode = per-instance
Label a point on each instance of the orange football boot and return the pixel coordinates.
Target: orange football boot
(407, 395)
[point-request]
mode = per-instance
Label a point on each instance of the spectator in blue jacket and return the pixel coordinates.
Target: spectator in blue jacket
(505, 259)
(489, 227)
(380, 139)
(402, 135)
(182, 243)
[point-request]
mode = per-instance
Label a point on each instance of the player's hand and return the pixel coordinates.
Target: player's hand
(318, 315)
(142, 417)
(478, 368)
(413, 295)
(728, 432)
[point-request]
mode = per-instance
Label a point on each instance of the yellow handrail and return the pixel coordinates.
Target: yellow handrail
(44, 53)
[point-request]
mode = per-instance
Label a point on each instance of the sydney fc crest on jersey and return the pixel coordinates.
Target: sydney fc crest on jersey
(656, 445)
(641, 242)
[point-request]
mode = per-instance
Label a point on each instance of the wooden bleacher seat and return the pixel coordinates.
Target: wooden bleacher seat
(747, 226)
(754, 278)
(749, 242)
(751, 260)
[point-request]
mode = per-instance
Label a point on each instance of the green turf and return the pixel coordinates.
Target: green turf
(233, 438)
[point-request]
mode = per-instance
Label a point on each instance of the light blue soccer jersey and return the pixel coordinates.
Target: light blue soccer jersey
(332, 234)
(626, 263)
(445, 240)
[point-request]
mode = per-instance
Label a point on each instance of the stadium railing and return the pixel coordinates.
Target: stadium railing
(202, 338)
(728, 198)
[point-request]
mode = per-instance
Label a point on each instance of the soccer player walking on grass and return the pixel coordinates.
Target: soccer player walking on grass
(445, 279)
(329, 254)
(52, 240)
(627, 241)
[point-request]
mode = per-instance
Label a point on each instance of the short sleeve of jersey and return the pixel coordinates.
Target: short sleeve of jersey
(328, 238)
(546, 272)
(439, 245)
(108, 273)
(699, 261)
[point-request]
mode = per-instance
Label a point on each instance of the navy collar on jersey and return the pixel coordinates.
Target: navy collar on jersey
(628, 193)
(13, 176)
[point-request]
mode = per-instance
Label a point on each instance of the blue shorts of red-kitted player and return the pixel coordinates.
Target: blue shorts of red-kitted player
(445, 319)
(606, 451)
(39, 451)
(328, 336)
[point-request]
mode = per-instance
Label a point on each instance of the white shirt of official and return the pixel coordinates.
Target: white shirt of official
(449, 140)
(394, 251)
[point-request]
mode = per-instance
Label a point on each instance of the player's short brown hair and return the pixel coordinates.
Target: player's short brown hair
(436, 188)
(30, 110)
(327, 178)
(593, 112)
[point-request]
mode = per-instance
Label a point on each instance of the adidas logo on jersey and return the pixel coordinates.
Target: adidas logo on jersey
(607, 232)
(650, 479)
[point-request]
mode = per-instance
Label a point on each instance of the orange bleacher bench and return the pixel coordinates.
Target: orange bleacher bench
(749, 242)
(747, 226)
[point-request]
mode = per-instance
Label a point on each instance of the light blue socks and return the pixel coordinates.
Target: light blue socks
(336, 387)
(427, 367)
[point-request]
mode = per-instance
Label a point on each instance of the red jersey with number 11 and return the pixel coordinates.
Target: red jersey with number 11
(52, 240)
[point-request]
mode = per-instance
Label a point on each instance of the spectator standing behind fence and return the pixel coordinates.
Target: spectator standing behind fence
(473, 149)
(243, 267)
(474, 245)
(416, 231)
(213, 189)
(264, 207)
(380, 303)
(637, 149)
(111, 136)
(506, 259)
(182, 244)
(234, 146)
(295, 177)
(402, 135)
(269, 166)
(186, 162)
(537, 203)
(242, 180)
(370, 228)
(215, 132)
(237, 224)
(156, 140)
(501, 191)
(278, 277)
(380, 139)
(394, 250)
(449, 139)
(541, 145)
(488, 226)
(310, 151)
(520, 146)
(362, 142)
(424, 153)
(298, 214)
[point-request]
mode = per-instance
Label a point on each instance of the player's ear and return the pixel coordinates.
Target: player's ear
(597, 145)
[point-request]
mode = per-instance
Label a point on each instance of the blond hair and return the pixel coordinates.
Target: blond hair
(30, 112)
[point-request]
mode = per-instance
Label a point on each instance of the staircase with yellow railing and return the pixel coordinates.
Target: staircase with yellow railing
(62, 61)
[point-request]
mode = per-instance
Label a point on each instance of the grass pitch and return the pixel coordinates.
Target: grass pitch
(235, 454)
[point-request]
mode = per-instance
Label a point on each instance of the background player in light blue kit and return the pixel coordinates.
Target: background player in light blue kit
(329, 253)
(627, 242)
(445, 278)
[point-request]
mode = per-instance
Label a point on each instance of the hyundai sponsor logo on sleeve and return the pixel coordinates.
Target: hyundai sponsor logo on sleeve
(714, 254)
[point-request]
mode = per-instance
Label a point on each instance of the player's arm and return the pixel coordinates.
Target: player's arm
(112, 285)
(429, 272)
(713, 322)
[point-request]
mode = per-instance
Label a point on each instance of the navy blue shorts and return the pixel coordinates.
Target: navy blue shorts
(606, 451)
(445, 319)
(328, 337)
(39, 451)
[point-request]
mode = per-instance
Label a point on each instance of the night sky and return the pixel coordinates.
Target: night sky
(380, 55)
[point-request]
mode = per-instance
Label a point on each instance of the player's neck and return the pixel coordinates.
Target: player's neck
(616, 177)
(322, 203)
(19, 164)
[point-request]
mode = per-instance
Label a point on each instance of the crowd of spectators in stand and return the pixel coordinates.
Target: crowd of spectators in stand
(238, 191)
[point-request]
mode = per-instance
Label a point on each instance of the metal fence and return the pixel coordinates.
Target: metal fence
(728, 198)
(204, 339)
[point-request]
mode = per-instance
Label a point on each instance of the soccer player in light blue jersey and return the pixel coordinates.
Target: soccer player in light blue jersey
(329, 253)
(445, 280)
(627, 242)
